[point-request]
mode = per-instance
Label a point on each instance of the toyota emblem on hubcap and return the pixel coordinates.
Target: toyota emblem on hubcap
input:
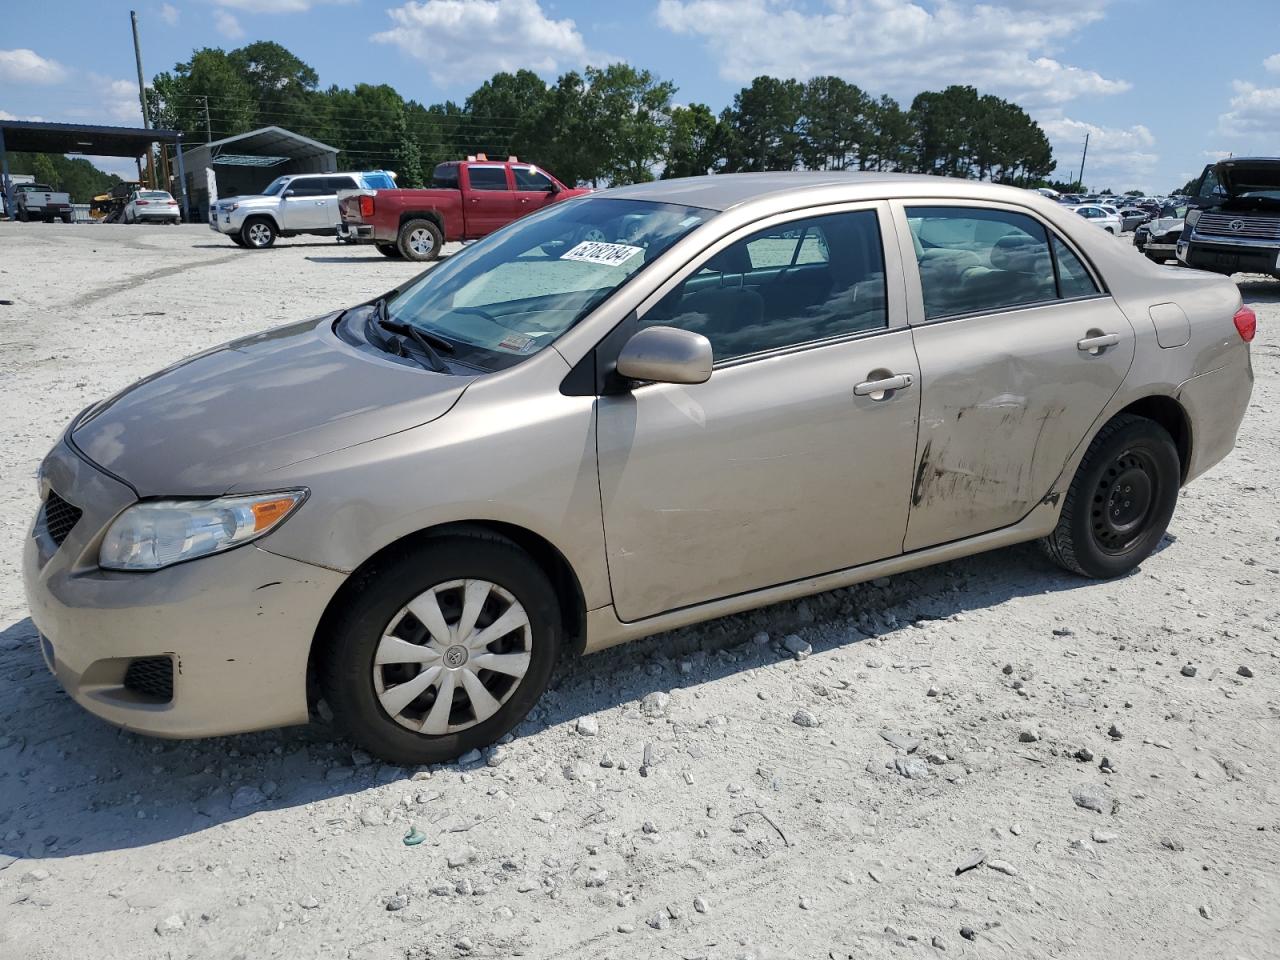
(455, 656)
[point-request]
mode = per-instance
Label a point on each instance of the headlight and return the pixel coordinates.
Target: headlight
(232, 206)
(158, 533)
(1193, 215)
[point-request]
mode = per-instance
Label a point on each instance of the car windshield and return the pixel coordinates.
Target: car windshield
(154, 195)
(505, 298)
(276, 186)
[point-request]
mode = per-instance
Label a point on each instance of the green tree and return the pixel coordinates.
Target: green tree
(693, 142)
(283, 86)
(835, 123)
(628, 110)
(888, 144)
(178, 98)
(505, 113)
(763, 126)
(407, 155)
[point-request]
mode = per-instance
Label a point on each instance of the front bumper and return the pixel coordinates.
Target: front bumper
(356, 232)
(225, 222)
(1230, 256)
(237, 626)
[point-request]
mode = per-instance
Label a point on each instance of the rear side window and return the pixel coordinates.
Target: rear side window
(809, 281)
(977, 261)
(445, 177)
(1073, 279)
(488, 178)
(334, 184)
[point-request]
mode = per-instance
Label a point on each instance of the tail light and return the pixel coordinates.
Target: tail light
(141, 203)
(1246, 322)
(366, 206)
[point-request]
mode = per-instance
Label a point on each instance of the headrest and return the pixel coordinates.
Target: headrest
(1020, 253)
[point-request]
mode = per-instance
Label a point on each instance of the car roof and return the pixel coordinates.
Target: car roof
(725, 190)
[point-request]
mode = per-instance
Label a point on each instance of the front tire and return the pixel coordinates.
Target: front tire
(467, 617)
(258, 233)
(1120, 501)
(420, 240)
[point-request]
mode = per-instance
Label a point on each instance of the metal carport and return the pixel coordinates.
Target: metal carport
(29, 136)
(246, 163)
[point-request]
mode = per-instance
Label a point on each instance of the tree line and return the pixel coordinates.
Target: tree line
(605, 125)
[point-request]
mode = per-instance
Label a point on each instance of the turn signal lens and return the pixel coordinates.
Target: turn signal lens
(267, 513)
(366, 206)
(1246, 322)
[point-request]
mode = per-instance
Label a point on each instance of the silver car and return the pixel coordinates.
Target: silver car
(632, 411)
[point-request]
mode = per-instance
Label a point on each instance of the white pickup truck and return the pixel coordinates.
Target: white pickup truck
(37, 201)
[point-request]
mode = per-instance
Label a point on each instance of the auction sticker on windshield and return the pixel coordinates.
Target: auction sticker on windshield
(606, 254)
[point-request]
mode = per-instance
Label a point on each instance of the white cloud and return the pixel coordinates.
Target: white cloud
(169, 14)
(27, 66)
(118, 99)
(227, 25)
(1002, 46)
(463, 41)
(6, 115)
(1272, 63)
(1254, 111)
(1119, 157)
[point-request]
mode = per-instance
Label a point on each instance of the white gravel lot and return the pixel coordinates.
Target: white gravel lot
(687, 814)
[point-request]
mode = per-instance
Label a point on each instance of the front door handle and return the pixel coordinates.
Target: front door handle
(1097, 343)
(880, 389)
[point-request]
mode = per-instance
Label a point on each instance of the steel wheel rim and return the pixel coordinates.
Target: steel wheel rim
(420, 241)
(1124, 501)
(259, 234)
(452, 656)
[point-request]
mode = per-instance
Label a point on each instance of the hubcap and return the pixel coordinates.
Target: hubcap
(1123, 501)
(451, 657)
(259, 235)
(420, 241)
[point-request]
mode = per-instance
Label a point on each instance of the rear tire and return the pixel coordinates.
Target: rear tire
(66, 218)
(363, 660)
(258, 233)
(389, 250)
(1120, 501)
(419, 240)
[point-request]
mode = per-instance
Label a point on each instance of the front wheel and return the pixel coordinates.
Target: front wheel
(258, 233)
(1120, 502)
(442, 649)
(420, 240)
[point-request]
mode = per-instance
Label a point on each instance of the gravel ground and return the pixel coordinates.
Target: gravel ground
(989, 757)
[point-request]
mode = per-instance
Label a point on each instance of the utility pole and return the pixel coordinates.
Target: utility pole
(1080, 181)
(142, 88)
(208, 127)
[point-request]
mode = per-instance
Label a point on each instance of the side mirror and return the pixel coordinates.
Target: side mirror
(554, 188)
(666, 355)
(290, 193)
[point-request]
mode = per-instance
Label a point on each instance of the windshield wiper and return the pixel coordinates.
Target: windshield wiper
(434, 360)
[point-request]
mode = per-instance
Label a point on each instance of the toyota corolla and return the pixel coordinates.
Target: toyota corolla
(632, 411)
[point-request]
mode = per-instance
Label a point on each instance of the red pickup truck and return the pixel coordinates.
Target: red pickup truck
(467, 199)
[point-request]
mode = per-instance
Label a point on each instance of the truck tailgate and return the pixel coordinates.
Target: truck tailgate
(349, 204)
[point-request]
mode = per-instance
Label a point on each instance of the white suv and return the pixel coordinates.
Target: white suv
(291, 205)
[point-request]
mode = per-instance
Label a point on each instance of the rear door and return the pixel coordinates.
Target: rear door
(1020, 349)
(490, 200)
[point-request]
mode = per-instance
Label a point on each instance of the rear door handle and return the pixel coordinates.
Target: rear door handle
(1097, 344)
(879, 389)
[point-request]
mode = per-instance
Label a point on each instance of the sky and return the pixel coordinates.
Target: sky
(1162, 87)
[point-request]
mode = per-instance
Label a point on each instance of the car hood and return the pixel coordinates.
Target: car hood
(255, 198)
(1163, 225)
(231, 416)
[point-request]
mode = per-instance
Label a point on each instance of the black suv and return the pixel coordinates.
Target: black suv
(1234, 223)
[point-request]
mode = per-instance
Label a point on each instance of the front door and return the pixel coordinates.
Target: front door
(534, 189)
(1020, 350)
(795, 458)
(490, 202)
(305, 204)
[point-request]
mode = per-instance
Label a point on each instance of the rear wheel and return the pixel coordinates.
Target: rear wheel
(442, 649)
(66, 218)
(258, 233)
(389, 250)
(420, 240)
(1120, 501)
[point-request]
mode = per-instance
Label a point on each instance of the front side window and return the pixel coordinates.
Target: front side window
(512, 294)
(306, 187)
(809, 281)
(528, 178)
(488, 178)
(976, 260)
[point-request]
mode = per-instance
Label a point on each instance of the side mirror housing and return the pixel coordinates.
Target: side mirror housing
(290, 193)
(666, 355)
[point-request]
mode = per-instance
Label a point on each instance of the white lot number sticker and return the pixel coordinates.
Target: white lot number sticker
(605, 254)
